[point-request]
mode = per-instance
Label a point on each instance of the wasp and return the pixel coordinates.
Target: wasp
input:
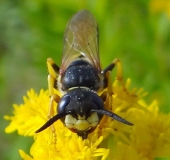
(79, 79)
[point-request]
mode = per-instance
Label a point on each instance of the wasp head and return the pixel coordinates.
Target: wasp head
(78, 105)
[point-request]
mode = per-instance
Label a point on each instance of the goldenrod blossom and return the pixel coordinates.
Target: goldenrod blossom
(148, 139)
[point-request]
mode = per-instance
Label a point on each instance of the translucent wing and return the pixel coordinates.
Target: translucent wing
(81, 41)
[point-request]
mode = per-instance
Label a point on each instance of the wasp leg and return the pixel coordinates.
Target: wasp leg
(107, 74)
(107, 98)
(115, 62)
(53, 98)
(108, 101)
(110, 66)
(108, 84)
(53, 70)
(119, 75)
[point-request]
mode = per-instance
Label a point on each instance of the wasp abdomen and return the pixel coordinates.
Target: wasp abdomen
(80, 73)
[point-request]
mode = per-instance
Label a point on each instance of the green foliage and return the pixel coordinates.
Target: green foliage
(32, 31)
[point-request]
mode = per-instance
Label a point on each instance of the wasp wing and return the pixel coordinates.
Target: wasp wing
(81, 41)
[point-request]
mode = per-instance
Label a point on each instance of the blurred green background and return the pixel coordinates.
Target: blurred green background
(136, 32)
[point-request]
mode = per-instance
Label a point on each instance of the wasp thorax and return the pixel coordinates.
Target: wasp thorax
(80, 73)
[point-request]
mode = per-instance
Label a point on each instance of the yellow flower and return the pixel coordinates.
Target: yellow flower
(148, 139)
(27, 116)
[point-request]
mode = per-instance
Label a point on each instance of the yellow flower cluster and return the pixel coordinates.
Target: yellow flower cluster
(147, 139)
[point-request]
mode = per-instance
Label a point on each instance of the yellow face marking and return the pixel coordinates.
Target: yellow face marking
(81, 123)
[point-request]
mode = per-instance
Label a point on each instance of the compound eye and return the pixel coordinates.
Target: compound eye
(65, 100)
(98, 102)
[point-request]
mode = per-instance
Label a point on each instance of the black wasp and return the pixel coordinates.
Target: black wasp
(79, 79)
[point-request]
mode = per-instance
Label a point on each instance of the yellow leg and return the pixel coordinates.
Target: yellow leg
(119, 74)
(108, 102)
(53, 70)
(53, 98)
(51, 84)
(107, 74)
